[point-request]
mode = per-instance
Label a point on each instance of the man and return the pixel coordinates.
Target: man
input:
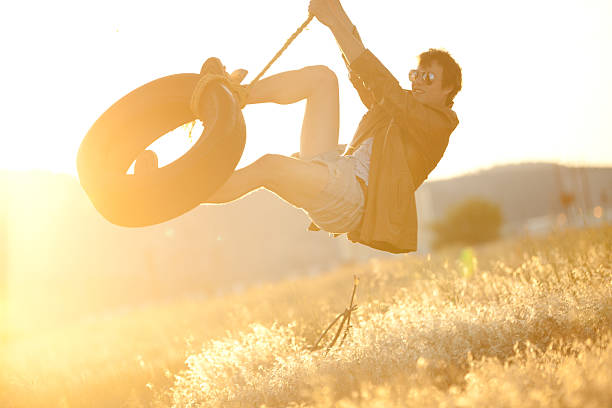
(368, 192)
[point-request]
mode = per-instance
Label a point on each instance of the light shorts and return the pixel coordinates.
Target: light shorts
(340, 205)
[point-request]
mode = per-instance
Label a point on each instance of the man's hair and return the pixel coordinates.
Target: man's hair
(451, 77)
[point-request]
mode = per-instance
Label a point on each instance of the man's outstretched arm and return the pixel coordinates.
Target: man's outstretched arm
(383, 88)
(331, 14)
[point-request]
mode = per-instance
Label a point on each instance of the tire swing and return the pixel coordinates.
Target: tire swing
(144, 115)
(137, 120)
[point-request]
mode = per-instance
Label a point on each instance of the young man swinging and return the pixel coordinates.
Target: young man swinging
(368, 192)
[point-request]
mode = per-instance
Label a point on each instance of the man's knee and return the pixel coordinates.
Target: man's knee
(321, 75)
(267, 166)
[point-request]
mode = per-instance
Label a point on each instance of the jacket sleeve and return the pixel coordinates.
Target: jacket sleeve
(383, 88)
(364, 93)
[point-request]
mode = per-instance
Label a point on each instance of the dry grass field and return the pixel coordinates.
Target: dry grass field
(519, 323)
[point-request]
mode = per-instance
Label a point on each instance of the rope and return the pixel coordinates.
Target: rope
(196, 95)
(241, 91)
(284, 47)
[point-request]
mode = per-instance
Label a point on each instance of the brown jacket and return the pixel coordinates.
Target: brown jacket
(409, 141)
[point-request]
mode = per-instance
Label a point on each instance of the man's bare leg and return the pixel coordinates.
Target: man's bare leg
(319, 86)
(296, 181)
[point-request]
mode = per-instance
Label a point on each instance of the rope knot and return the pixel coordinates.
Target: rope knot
(240, 91)
(213, 70)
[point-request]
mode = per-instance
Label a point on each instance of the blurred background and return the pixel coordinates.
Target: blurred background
(533, 143)
(62, 262)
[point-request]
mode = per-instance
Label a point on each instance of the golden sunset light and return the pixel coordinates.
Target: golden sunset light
(536, 86)
(306, 203)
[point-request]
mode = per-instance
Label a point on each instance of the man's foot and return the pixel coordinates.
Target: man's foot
(146, 162)
(213, 65)
(240, 91)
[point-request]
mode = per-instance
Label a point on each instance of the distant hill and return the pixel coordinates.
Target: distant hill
(54, 240)
(523, 191)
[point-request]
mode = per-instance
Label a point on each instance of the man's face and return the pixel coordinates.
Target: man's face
(433, 93)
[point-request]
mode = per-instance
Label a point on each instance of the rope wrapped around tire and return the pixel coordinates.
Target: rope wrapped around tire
(137, 120)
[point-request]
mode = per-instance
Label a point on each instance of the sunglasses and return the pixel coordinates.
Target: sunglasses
(424, 76)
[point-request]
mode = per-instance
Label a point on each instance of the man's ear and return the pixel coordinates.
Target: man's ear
(447, 90)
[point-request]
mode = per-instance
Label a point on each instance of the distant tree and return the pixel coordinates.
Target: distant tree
(472, 221)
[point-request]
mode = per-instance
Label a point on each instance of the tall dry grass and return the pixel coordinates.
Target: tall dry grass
(524, 327)
(517, 323)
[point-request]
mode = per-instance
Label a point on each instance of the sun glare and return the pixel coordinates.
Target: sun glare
(72, 100)
(225, 305)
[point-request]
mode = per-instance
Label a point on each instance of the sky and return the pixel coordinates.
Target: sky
(536, 73)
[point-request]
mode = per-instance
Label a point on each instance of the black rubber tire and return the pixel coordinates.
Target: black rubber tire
(130, 125)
